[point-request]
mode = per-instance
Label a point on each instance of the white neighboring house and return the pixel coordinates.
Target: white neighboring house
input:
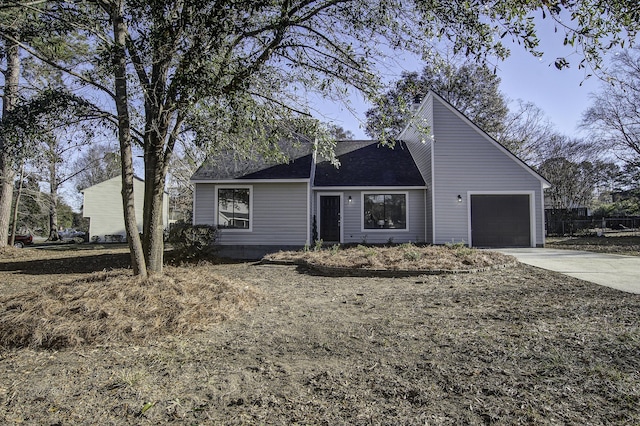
(103, 206)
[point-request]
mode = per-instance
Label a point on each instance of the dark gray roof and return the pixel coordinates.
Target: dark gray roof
(298, 168)
(227, 165)
(370, 164)
(362, 163)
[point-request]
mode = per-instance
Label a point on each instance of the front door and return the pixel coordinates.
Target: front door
(330, 218)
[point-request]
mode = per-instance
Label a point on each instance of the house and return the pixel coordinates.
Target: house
(444, 181)
(102, 204)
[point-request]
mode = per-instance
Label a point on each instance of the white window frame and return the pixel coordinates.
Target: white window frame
(363, 194)
(217, 213)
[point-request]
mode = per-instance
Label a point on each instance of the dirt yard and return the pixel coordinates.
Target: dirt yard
(510, 346)
(615, 243)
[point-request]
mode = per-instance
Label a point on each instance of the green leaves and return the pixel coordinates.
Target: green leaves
(561, 63)
(39, 119)
(472, 88)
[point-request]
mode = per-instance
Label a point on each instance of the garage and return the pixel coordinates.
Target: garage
(500, 220)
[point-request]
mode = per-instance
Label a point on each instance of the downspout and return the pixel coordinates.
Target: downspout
(541, 216)
(433, 192)
(193, 204)
(310, 186)
(426, 222)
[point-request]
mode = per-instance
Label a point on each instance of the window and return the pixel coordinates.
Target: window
(385, 211)
(233, 208)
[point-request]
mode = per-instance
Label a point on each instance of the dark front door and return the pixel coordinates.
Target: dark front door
(330, 218)
(500, 221)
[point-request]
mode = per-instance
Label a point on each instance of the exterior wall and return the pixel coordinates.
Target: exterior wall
(422, 155)
(279, 214)
(465, 162)
(204, 204)
(103, 205)
(428, 215)
(352, 217)
(420, 128)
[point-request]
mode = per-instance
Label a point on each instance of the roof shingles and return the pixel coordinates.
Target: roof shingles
(370, 165)
(362, 163)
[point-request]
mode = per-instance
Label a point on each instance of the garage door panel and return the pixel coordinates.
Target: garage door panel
(500, 220)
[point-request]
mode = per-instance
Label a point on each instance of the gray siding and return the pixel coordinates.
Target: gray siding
(204, 210)
(279, 214)
(421, 152)
(467, 161)
(352, 219)
(421, 124)
(419, 141)
(428, 215)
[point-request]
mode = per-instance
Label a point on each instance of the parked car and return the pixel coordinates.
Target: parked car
(71, 234)
(22, 240)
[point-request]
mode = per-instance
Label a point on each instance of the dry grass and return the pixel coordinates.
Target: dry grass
(116, 306)
(405, 257)
(627, 244)
(511, 346)
(9, 252)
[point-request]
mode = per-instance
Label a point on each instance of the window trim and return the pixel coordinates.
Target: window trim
(217, 213)
(363, 194)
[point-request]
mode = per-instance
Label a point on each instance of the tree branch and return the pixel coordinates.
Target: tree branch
(57, 66)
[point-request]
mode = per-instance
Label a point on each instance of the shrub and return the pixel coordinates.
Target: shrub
(412, 255)
(193, 241)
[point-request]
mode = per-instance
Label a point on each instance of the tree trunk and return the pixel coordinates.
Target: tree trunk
(6, 197)
(9, 101)
(124, 137)
(157, 159)
(14, 220)
(53, 202)
(153, 233)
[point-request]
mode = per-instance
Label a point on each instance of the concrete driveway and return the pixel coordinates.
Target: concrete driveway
(610, 270)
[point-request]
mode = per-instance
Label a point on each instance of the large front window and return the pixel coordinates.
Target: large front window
(233, 208)
(385, 211)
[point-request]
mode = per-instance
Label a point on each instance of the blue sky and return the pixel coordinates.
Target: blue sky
(559, 93)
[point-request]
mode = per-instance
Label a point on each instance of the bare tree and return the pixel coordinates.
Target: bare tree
(97, 163)
(575, 170)
(185, 161)
(528, 133)
(614, 116)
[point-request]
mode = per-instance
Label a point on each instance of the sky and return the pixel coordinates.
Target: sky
(563, 95)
